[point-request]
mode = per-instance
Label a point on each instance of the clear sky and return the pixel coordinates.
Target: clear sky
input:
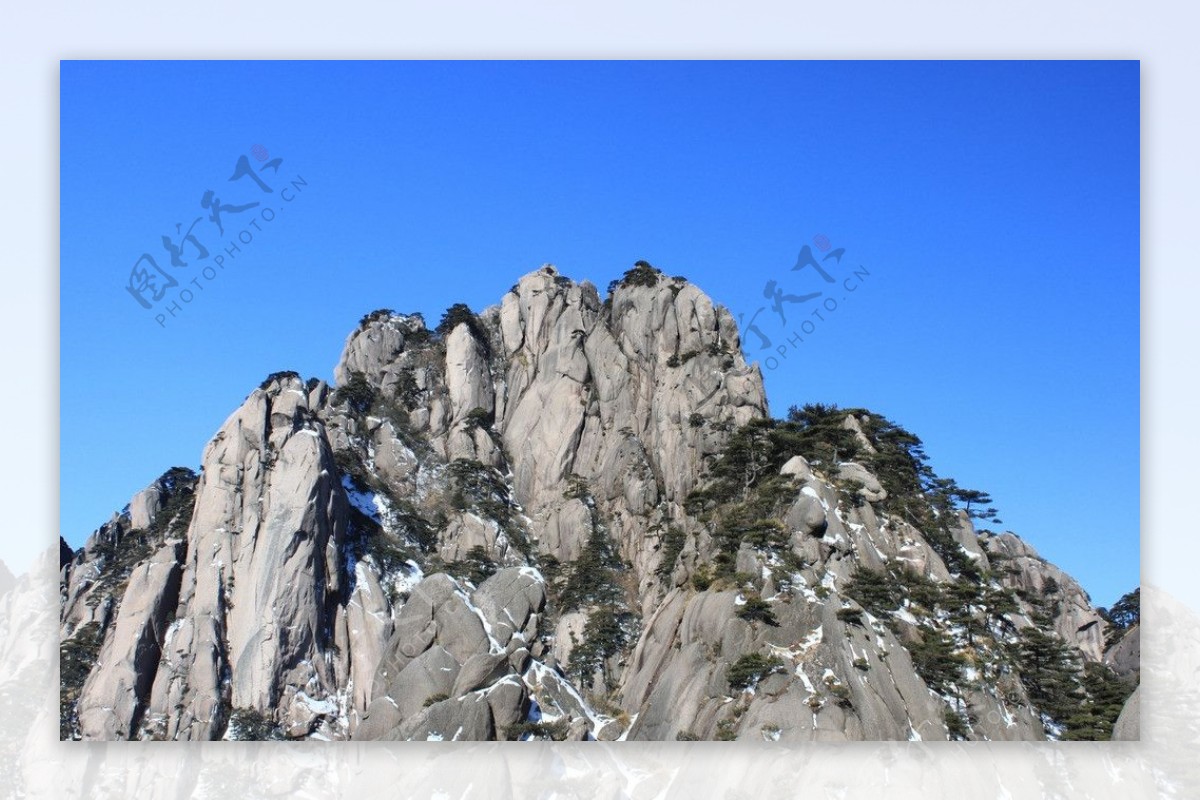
(990, 209)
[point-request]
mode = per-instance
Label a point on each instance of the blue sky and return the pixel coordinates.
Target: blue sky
(993, 205)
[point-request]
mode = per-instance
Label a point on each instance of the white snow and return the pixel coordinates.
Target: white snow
(814, 638)
(597, 720)
(1053, 730)
(494, 645)
(324, 706)
(812, 493)
(173, 629)
(1009, 720)
(532, 572)
(509, 679)
(805, 590)
(361, 582)
(632, 720)
(383, 507)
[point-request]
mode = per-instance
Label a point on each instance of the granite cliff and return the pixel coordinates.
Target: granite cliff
(568, 517)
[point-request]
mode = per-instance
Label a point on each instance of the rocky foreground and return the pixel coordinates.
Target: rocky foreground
(570, 517)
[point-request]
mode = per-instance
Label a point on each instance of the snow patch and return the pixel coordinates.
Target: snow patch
(540, 671)
(324, 706)
(812, 493)
(409, 578)
(632, 720)
(532, 572)
(493, 643)
(173, 629)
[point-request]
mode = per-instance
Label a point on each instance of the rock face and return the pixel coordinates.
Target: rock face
(1128, 725)
(1125, 656)
(508, 529)
(1076, 621)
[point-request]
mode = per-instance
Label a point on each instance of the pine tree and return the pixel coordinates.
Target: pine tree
(603, 637)
(756, 608)
(746, 459)
(876, 592)
(1105, 694)
(1125, 613)
(1048, 668)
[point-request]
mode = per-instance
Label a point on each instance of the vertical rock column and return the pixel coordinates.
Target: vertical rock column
(262, 574)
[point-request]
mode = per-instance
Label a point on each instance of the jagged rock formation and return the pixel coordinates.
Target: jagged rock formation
(1076, 621)
(523, 524)
(1125, 655)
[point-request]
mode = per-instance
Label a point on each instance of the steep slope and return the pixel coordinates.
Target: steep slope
(564, 517)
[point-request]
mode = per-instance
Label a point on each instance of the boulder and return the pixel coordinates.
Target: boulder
(798, 468)
(1128, 725)
(872, 490)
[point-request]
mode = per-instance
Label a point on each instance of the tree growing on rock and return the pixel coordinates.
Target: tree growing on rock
(756, 609)
(250, 724)
(461, 314)
(357, 394)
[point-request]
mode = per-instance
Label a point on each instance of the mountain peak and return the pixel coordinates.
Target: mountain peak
(563, 516)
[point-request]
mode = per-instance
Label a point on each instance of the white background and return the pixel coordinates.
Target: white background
(1163, 36)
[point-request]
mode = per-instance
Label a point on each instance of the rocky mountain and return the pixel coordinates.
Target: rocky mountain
(568, 517)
